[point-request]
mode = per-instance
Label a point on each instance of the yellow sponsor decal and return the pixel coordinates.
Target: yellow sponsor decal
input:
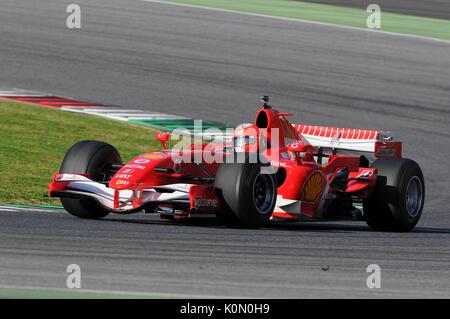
(313, 187)
(154, 155)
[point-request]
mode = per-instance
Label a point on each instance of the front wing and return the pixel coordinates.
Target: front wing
(192, 199)
(119, 201)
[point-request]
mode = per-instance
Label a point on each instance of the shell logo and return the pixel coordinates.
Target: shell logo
(312, 187)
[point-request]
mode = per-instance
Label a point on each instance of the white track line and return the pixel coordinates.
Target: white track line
(20, 92)
(22, 209)
(9, 207)
(123, 114)
(119, 292)
(297, 20)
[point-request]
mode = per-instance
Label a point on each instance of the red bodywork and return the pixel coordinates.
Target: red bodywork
(156, 182)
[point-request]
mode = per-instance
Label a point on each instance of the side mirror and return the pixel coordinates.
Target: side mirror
(163, 138)
(302, 149)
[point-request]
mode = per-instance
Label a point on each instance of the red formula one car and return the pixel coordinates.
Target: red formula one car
(301, 172)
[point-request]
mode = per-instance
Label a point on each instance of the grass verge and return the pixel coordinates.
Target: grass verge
(391, 22)
(49, 293)
(34, 140)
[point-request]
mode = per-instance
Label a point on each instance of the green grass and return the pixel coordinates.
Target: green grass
(392, 22)
(34, 140)
(49, 293)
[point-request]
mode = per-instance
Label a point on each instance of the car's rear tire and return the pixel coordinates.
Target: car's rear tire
(248, 196)
(93, 158)
(397, 201)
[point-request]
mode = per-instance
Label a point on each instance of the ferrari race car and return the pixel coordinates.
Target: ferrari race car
(268, 170)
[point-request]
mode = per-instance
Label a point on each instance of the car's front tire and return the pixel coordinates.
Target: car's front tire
(93, 158)
(397, 201)
(247, 194)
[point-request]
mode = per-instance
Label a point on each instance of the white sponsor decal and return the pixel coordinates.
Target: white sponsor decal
(135, 166)
(275, 163)
(141, 161)
(69, 177)
(123, 176)
(365, 174)
(128, 171)
(205, 202)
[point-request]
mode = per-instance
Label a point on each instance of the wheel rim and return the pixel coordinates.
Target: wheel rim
(263, 192)
(414, 196)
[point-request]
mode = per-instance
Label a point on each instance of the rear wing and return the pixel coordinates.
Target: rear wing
(379, 143)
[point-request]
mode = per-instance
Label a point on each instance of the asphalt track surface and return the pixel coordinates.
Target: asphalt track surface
(213, 65)
(439, 9)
